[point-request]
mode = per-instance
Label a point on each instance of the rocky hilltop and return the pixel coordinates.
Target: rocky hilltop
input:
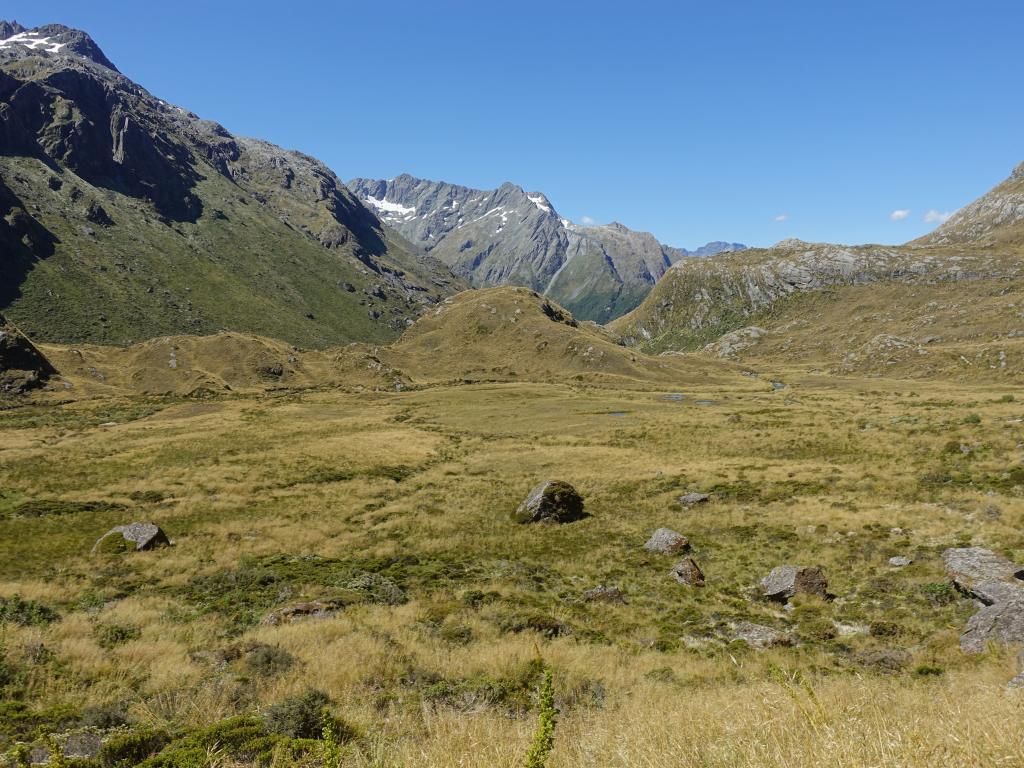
(125, 217)
(509, 236)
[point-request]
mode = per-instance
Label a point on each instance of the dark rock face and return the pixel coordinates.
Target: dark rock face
(553, 501)
(786, 581)
(22, 366)
(665, 541)
(688, 572)
(142, 535)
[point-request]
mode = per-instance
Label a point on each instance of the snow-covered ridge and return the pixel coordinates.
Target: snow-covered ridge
(388, 207)
(31, 40)
(541, 202)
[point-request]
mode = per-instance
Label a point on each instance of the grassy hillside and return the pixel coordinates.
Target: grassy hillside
(123, 218)
(699, 300)
(965, 331)
(501, 334)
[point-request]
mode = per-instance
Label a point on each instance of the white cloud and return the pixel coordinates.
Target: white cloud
(937, 217)
(588, 221)
(899, 215)
(782, 217)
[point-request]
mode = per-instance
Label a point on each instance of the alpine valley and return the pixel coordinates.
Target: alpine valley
(398, 473)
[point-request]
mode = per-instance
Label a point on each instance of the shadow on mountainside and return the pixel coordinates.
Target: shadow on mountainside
(23, 242)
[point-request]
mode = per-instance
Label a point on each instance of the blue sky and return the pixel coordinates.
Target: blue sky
(746, 121)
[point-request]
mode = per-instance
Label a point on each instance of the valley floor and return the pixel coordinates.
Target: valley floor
(396, 507)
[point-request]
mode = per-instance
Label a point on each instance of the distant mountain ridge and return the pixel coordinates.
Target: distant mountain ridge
(508, 236)
(123, 217)
(698, 301)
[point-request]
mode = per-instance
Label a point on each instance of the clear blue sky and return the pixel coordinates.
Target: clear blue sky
(692, 120)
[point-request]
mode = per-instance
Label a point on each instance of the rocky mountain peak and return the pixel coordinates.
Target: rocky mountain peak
(1018, 172)
(54, 39)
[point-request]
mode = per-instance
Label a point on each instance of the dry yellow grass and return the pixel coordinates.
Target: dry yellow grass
(819, 472)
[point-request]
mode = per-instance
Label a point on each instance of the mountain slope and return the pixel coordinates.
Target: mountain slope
(699, 300)
(509, 236)
(123, 217)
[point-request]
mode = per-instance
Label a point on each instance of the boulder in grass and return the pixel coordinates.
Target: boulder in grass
(983, 574)
(133, 537)
(688, 572)
(667, 542)
(693, 498)
(787, 581)
(998, 624)
(553, 501)
(759, 636)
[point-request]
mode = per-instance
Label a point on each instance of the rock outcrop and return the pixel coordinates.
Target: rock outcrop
(553, 501)
(134, 536)
(665, 541)
(688, 572)
(787, 581)
(22, 366)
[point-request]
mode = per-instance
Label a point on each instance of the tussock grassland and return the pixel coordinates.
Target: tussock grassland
(396, 506)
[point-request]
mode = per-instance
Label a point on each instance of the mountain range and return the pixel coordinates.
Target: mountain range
(508, 236)
(123, 217)
(951, 302)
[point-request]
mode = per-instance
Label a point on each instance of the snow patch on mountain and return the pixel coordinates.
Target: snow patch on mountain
(31, 40)
(389, 207)
(541, 202)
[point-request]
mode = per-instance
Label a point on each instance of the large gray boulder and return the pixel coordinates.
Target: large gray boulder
(787, 581)
(137, 536)
(1001, 624)
(977, 572)
(665, 541)
(553, 501)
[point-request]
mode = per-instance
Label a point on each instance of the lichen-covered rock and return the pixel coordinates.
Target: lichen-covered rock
(1001, 624)
(688, 572)
(758, 635)
(667, 542)
(553, 501)
(899, 561)
(786, 581)
(983, 574)
(135, 536)
(693, 498)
